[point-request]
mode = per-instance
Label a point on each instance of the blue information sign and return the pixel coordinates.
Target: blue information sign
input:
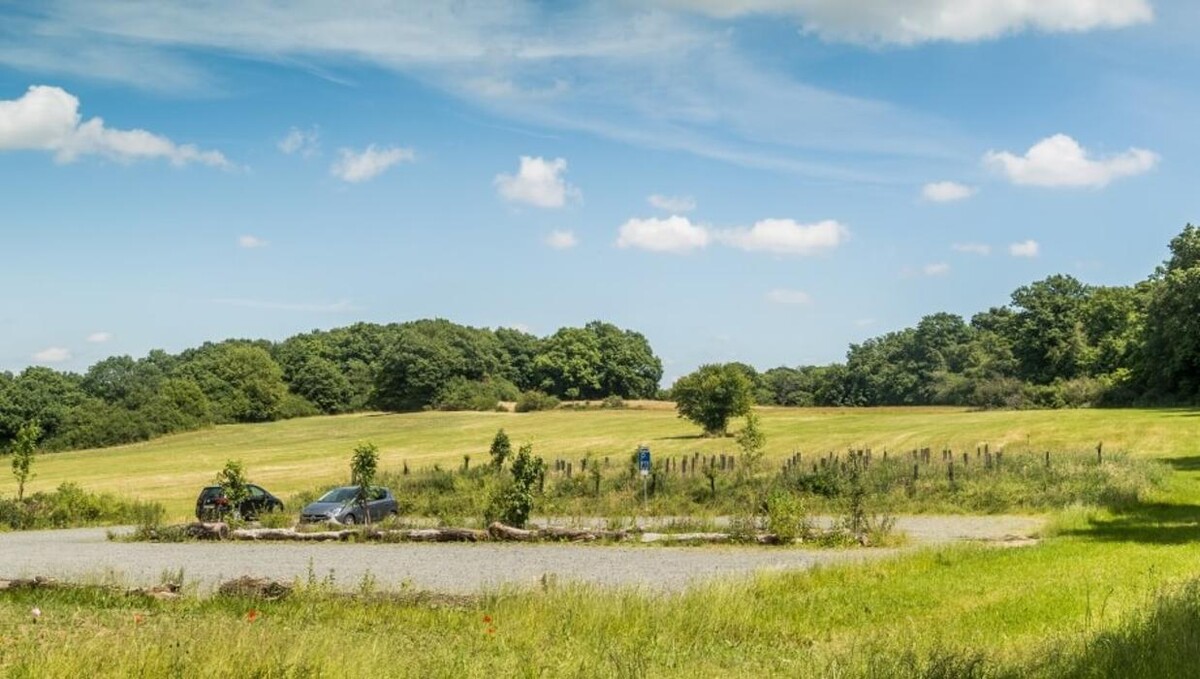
(644, 460)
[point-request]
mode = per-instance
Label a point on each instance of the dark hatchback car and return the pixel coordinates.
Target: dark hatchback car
(213, 505)
(341, 505)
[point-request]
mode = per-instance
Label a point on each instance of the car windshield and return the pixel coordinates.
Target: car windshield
(339, 495)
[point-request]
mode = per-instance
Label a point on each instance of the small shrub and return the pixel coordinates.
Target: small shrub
(613, 402)
(533, 401)
(786, 517)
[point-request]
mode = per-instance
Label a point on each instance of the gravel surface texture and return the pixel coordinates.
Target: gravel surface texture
(86, 554)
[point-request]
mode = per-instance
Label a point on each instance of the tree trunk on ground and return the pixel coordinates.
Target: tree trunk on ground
(208, 531)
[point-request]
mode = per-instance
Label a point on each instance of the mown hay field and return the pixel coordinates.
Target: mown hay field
(298, 455)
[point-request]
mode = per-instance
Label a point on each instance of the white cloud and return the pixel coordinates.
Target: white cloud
(946, 192)
(562, 240)
(538, 182)
(911, 22)
(786, 236)
(864, 322)
(673, 234)
(781, 296)
(52, 355)
(99, 337)
(335, 307)
(972, 248)
(303, 142)
(672, 204)
(248, 241)
(1060, 161)
(1029, 248)
(47, 119)
(936, 269)
(359, 166)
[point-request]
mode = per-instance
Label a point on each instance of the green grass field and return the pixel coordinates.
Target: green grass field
(298, 455)
(1078, 604)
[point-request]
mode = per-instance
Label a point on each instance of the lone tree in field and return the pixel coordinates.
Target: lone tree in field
(501, 449)
(233, 483)
(363, 466)
(24, 448)
(712, 395)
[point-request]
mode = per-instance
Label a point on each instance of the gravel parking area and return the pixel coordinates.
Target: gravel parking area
(83, 554)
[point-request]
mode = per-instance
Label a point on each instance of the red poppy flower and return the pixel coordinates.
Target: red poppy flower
(252, 614)
(138, 618)
(487, 619)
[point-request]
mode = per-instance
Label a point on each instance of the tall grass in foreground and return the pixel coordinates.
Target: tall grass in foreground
(947, 613)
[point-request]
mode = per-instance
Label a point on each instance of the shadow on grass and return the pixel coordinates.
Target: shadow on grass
(1155, 523)
(1183, 464)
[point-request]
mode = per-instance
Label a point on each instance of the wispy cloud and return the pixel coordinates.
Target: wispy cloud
(793, 297)
(911, 23)
(306, 143)
(936, 269)
(562, 240)
(946, 192)
(359, 166)
(982, 249)
(341, 306)
(508, 58)
(99, 337)
(673, 204)
(1027, 248)
(250, 242)
(52, 355)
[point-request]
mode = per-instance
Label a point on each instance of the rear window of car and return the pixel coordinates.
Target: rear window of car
(210, 494)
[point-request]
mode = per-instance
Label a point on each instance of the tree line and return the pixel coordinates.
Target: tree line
(396, 367)
(1058, 343)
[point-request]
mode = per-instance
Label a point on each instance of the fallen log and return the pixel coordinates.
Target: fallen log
(500, 531)
(258, 588)
(580, 535)
(437, 535)
(288, 534)
(685, 537)
(207, 531)
(38, 582)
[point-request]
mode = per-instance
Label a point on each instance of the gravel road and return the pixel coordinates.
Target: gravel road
(85, 554)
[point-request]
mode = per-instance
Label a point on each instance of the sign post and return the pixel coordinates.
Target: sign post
(644, 469)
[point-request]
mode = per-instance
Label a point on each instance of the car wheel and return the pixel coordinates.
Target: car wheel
(349, 520)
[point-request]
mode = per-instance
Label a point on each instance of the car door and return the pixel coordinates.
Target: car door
(374, 505)
(256, 498)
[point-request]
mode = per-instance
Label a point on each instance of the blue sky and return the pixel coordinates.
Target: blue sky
(759, 180)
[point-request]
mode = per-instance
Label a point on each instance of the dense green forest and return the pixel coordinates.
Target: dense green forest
(402, 366)
(1058, 343)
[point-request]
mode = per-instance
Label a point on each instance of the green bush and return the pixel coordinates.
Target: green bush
(460, 393)
(532, 401)
(70, 506)
(295, 405)
(786, 517)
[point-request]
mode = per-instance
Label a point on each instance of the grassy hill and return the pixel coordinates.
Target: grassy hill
(296, 455)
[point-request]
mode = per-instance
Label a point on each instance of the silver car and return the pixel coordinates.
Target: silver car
(341, 505)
